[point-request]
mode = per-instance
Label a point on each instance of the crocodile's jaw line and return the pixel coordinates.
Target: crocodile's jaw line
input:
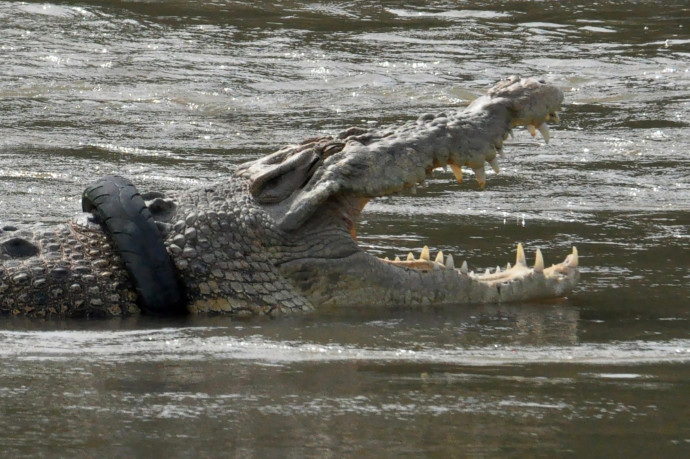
(347, 276)
(363, 280)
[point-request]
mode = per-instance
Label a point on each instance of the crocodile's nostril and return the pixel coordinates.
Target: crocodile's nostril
(19, 248)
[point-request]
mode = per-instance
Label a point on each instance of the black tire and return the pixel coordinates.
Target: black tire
(124, 216)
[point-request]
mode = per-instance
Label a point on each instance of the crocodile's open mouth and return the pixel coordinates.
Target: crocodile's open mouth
(316, 190)
(497, 277)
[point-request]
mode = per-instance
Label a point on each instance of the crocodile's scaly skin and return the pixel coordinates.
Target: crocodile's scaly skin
(77, 274)
(225, 250)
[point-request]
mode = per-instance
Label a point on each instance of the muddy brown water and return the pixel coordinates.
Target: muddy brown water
(175, 93)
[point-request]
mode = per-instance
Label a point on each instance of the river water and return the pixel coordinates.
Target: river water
(174, 94)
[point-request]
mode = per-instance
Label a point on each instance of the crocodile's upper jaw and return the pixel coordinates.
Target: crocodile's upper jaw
(317, 190)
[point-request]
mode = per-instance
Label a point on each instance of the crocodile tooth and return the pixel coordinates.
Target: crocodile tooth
(457, 171)
(487, 272)
(437, 267)
(439, 257)
(464, 268)
(494, 165)
(532, 130)
(450, 263)
(498, 269)
(397, 258)
(544, 129)
(386, 259)
(539, 262)
(508, 266)
(573, 259)
(410, 257)
(520, 258)
(425, 254)
(480, 176)
(445, 168)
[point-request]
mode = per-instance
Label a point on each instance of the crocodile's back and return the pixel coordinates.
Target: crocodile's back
(68, 270)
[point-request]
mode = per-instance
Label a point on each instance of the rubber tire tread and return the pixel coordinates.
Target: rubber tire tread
(122, 212)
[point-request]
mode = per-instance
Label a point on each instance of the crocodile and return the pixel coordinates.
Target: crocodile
(279, 234)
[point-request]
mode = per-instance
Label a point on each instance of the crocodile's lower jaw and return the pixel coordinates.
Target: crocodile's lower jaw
(354, 277)
(512, 283)
(361, 279)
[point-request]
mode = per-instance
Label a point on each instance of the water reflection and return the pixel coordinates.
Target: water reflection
(314, 391)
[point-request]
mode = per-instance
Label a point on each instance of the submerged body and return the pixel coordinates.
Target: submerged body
(279, 235)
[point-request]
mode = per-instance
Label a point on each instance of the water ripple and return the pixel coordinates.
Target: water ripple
(190, 344)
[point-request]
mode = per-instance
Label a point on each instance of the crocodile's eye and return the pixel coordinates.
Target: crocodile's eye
(542, 81)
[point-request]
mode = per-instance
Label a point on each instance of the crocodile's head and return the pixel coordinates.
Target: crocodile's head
(316, 191)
